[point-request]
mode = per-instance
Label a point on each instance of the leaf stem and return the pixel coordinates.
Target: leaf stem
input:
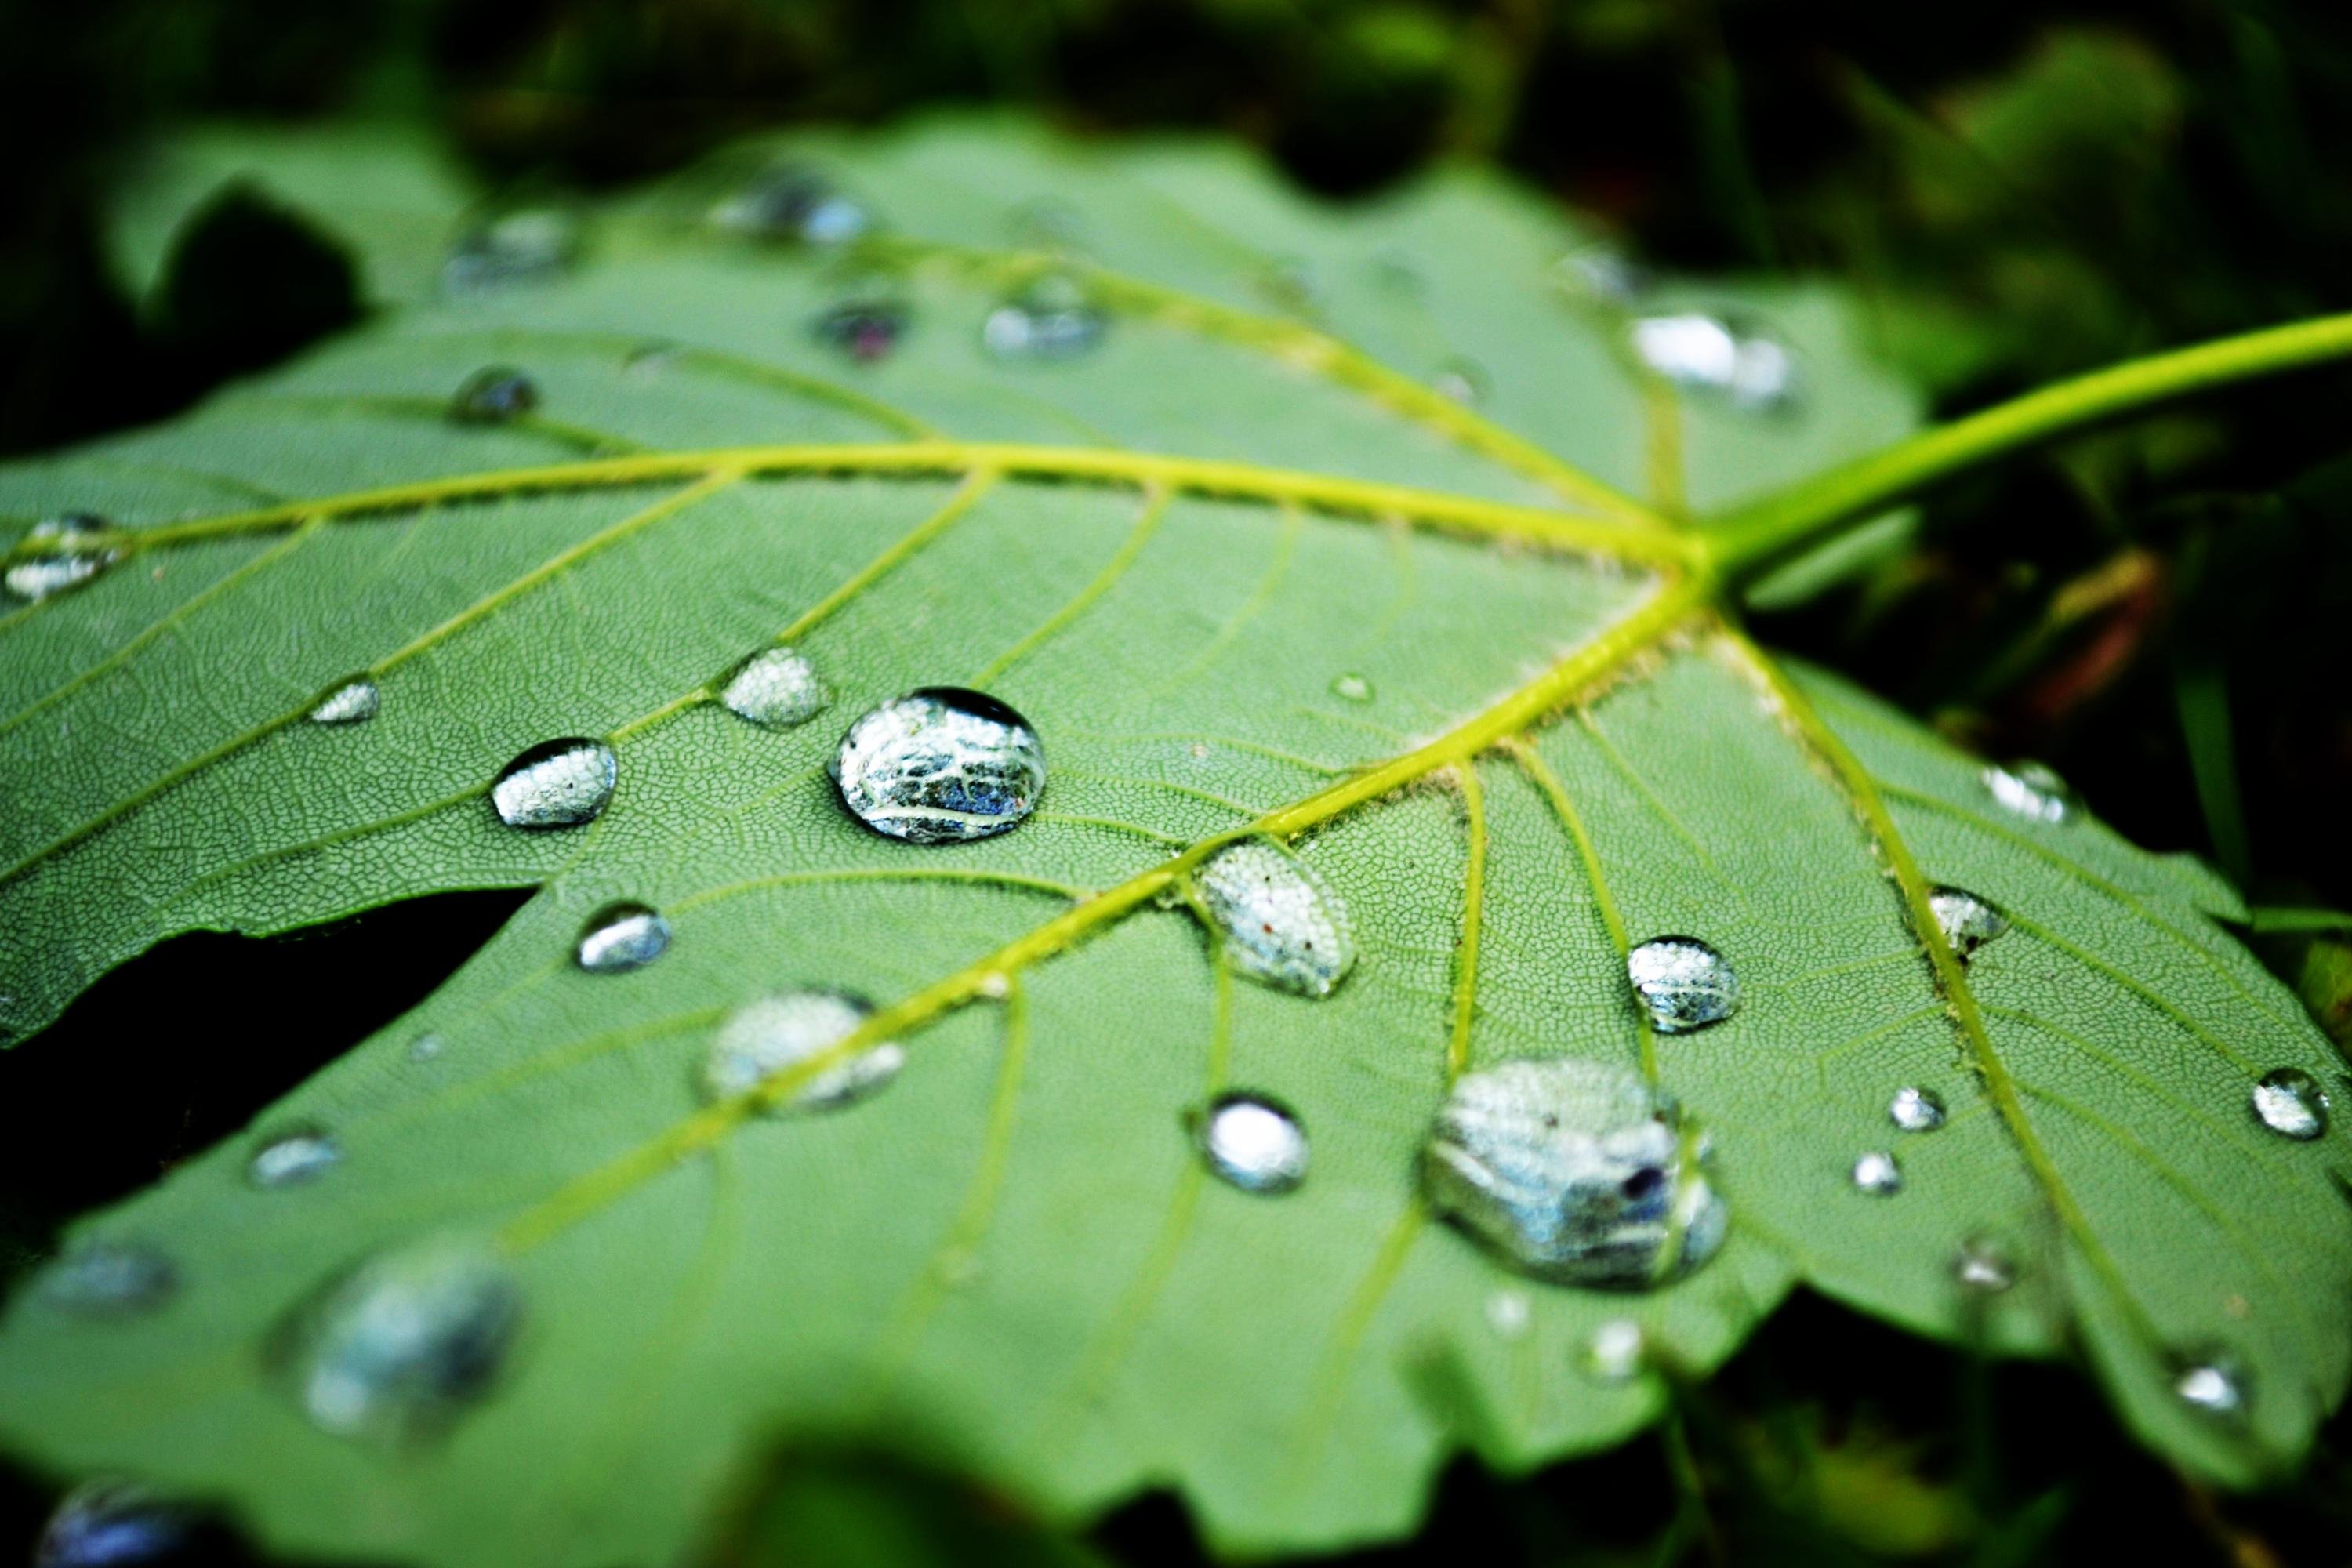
(1751, 539)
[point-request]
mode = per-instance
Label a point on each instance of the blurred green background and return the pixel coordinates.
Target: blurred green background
(2013, 192)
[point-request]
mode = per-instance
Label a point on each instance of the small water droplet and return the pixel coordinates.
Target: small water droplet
(399, 1347)
(1915, 1109)
(1684, 984)
(425, 1046)
(2214, 1383)
(526, 245)
(2290, 1103)
(862, 330)
(1602, 271)
(1251, 1143)
(1575, 1171)
(940, 765)
(1876, 1173)
(1053, 317)
(290, 1159)
(354, 702)
(621, 937)
(776, 1033)
(790, 202)
(1616, 1353)
(37, 577)
(108, 1279)
(1280, 924)
(1984, 1265)
(1461, 381)
(494, 396)
(2030, 790)
(557, 784)
(777, 688)
(1509, 1312)
(1967, 921)
(1730, 357)
(120, 1524)
(1351, 688)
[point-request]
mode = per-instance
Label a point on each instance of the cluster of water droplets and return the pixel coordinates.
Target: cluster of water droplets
(775, 1033)
(69, 565)
(941, 764)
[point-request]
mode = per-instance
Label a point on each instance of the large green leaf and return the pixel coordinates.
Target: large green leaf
(1245, 581)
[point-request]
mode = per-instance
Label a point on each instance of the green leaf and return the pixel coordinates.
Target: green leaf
(1245, 581)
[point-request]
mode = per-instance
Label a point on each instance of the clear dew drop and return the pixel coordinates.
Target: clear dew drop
(1509, 1312)
(109, 1279)
(2291, 1104)
(862, 330)
(2030, 790)
(37, 577)
(621, 937)
(557, 784)
(940, 765)
(1915, 1109)
(1351, 688)
(795, 204)
(1575, 1171)
(1051, 318)
(293, 1158)
(1602, 271)
(1741, 362)
(1967, 921)
(2214, 1385)
(1983, 1266)
(355, 702)
(427, 1046)
(1683, 984)
(398, 1348)
(777, 688)
(1876, 1174)
(495, 395)
(524, 246)
(1461, 381)
(1250, 1142)
(1280, 924)
(1616, 1353)
(773, 1034)
(116, 1523)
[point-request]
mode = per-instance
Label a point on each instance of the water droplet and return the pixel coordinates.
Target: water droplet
(293, 1158)
(1461, 381)
(1575, 1171)
(863, 331)
(1984, 1266)
(1509, 1312)
(791, 202)
(1616, 1351)
(1684, 984)
(424, 1047)
(1876, 1173)
(1915, 1109)
(1738, 360)
(776, 687)
(621, 937)
(119, 1524)
(2290, 1103)
(399, 1347)
(1967, 921)
(1351, 688)
(36, 577)
(940, 765)
(2215, 1384)
(1252, 1143)
(1602, 271)
(1052, 317)
(493, 395)
(557, 784)
(776, 1033)
(527, 245)
(2030, 790)
(108, 1279)
(354, 702)
(1281, 925)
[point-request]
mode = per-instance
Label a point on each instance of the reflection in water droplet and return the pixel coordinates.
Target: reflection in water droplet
(862, 330)
(2030, 790)
(1983, 1266)
(1616, 1351)
(529, 245)
(1684, 984)
(399, 1347)
(776, 1033)
(1353, 688)
(493, 395)
(424, 1047)
(108, 1279)
(1281, 925)
(1967, 921)
(2214, 1383)
(1574, 1170)
(293, 1158)
(940, 765)
(1602, 273)
(37, 577)
(1740, 360)
(1252, 1143)
(1509, 1312)
(1053, 317)
(354, 703)
(1915, 1109)
(776, 687)
(2290, 1103)
(1461, 381)
(1876, 1173)
(557, 784)
(790, 202)
(119, 1524)
(621, 937)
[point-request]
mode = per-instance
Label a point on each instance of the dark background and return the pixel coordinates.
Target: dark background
(2015, 191)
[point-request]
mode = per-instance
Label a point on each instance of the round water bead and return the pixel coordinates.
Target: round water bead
(775, 1033)
(402, 1345)
(36, 577)
(1683, 984)
(862, 330)
(1915, 1109)
(1967, 921)
(2030, 790)
(493, 395)
(1877, 1175)
(1984, 1266)
(2213, 1383)
(293, 1158)
(940, 765)
(1734, 358)
(1251, 1143)
(621, 937)
(1616, 1351)
(2290, 1103)
(1278, 922)
(777, 688)
(557, 784)
(354, 702)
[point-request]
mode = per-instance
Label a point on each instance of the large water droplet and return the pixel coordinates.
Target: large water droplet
(1915, 1109)
(120, 1524)
(777, 688)
(1252, 1143)
(1616, 1351)
(1280, 923)
(354, 702)
(557, 784)
(863, 331)
(526, 245)
(621, 937)
(1683, 984)
(776, 1033)
(940, 765)
(1967, 921)
(37, 576)
(108, 1279)
(493, 395)
(1575, 1171)
(1740, 360)
(791, 202)
(2290, 1103)
(2030, 790)
(1876, 1173)
(1984, 1266)
(399, 1347)
(1053, 317)
(290, 1159)
(2215, 1384)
